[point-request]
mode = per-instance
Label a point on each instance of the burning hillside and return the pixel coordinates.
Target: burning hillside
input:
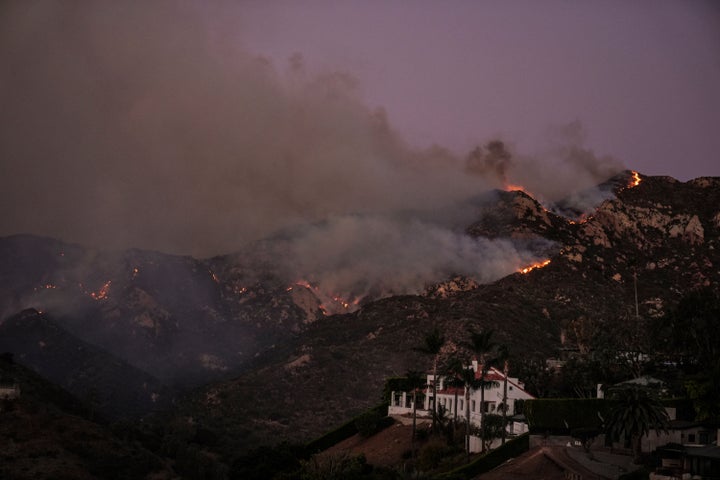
(187, 320)
(659, 234)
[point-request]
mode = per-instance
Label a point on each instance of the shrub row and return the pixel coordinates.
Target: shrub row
(345, 430)
(561, 415)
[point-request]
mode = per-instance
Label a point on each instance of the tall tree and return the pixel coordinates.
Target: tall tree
(432, 345)
(504, 359)
(636, 412)
(684, 332)
(468, 378)
(683, 337)
(415, 380)
(454, 371)
(481, 344)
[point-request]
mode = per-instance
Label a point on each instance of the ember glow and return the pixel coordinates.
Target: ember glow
(582, 219)
(534, 266)
(634, 180)
(329, 304)
(514, 188)
(102, 293)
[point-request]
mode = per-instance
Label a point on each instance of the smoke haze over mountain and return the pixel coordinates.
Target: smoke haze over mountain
(146, 126)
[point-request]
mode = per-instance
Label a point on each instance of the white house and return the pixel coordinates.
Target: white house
(401, 402)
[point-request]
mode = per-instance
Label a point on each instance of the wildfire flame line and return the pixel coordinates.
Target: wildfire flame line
(634, 180)
(534, 266)
(327, 302)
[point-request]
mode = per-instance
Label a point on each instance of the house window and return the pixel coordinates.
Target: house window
(704, 438)
(510, 388)
(472, 405)
(461, 405)
(691, 438)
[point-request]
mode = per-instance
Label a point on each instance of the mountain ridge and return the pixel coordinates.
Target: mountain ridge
(655, 234)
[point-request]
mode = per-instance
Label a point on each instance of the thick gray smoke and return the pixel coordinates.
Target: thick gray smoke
(355, 257)
(564, 166)
(146, 124)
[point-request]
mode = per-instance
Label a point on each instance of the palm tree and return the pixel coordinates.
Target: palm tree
(471, 383)
(482, 345)
(415, 380)
(454, 371)
(504, 357)
(433, 343)
(635, 413)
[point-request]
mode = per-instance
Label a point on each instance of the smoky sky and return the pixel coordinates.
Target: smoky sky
(641, 76)
(177, 126)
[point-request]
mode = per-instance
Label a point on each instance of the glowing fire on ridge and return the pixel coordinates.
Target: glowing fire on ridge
(634, 180)
(534, 266)
(511, 188)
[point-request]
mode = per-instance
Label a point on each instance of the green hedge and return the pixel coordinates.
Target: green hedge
(490, 460)
(559, 416)
(346, 430)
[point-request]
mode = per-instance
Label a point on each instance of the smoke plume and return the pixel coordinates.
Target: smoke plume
(147, 124)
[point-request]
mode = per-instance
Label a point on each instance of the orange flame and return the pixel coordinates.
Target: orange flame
(583, 219)
(511, 188)
(214, 277)
(534, 266)
(634, 180)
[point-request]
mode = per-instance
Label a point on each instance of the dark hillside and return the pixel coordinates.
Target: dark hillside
(46, 433)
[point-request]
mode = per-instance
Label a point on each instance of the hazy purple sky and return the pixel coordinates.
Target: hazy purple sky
(196, 126)
(643, 77)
